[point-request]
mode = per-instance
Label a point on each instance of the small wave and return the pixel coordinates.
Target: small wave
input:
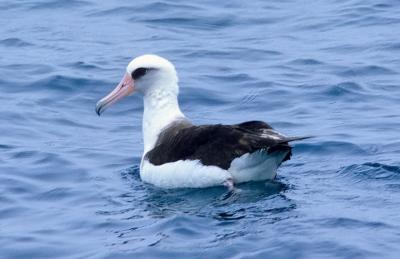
(233, 77)
(352, 223)
(79, 65)
(58, 4)
(11, 212)
(372, 70)
(144, 8)
(220, 54)
(252, 53)
(15, 184)
(330, 147)
(201, 23)
(165, 6)
(231, 215)
(203, 97)
(344, 89)
(26, 154)
(343, 48)
(32, 69)
(383, 6)
(371, 171)
(56, 194)
(125, 10)
(370, 20)
(132, 172)
(6, 147)
(306, 61)
(62, 83)
(14, 42)
(5, 5)
(390, 46)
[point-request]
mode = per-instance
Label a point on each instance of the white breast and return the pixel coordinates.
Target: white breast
(183, 174)
(192, 174)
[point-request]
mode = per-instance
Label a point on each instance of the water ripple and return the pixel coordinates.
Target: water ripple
(371, 70)
(55, 4)
(372, 171)
(15, 42)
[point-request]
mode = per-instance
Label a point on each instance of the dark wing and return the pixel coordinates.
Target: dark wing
(216, 144)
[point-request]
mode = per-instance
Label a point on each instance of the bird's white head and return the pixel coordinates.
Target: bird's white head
(145, 74)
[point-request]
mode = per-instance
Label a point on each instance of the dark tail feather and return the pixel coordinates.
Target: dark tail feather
(284, 146)
(290, 139)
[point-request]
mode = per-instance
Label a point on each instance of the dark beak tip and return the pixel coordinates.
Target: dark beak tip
(99, 109)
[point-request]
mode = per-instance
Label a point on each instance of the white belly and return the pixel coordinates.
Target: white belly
(182, 174)
(256, 166)
(192, 174)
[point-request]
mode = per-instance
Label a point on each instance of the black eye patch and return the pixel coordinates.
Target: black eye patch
(139, 72)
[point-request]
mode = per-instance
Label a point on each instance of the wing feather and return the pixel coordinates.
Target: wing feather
(216, 144)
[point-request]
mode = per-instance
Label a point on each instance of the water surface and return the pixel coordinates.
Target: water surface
(69, 184)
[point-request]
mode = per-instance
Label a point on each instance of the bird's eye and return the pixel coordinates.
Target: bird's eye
(139, 72)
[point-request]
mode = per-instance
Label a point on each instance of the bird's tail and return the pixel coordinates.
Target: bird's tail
(284, 146)
(290, 139)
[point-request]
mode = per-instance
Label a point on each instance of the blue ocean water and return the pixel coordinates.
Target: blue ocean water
(69, 184)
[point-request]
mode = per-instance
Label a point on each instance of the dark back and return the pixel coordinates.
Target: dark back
(216, 144)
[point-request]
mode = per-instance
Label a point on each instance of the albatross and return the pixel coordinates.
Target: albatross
(178, 153)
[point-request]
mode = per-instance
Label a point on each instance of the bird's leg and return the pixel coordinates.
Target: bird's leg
(233, 192)
(229, 184)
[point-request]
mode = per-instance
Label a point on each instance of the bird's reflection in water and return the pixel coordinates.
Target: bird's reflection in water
(147, 214)
(214, 202)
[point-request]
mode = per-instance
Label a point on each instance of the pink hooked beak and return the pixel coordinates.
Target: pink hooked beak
(124, 88)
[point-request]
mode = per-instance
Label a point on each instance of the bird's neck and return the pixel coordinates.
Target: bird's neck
(161, 107)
